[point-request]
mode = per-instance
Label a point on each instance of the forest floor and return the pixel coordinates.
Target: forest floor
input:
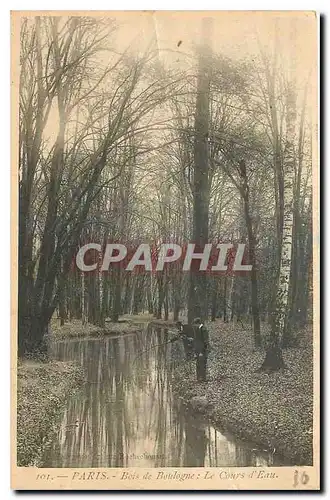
(275, 411)
(42, 389)
(128, 323)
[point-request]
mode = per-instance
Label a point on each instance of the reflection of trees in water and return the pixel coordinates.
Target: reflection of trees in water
(123, 401)
(189, 442)
(126, 408)
(195, 446)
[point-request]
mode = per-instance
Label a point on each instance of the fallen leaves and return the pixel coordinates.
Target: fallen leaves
(41, 391)
(270, 409)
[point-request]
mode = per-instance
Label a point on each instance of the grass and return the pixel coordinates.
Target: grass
(42, 389)
(272, 410)
(128, 323)
(75, 328)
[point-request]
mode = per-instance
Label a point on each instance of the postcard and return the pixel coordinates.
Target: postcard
(165, 250)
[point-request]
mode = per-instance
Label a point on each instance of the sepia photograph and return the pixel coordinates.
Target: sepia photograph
(165, 250)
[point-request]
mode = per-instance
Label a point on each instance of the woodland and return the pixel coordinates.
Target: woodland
(184, 144)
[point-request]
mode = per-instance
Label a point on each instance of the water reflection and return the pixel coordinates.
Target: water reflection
(125, 415)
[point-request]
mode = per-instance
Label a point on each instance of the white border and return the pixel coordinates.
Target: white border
(5, 167)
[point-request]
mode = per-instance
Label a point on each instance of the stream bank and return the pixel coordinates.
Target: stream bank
(42, 392)
(126, 325)
(275, 411)
(126, 415)
(75, 329)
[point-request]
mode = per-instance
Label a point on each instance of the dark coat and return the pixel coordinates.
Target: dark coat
(201, 339)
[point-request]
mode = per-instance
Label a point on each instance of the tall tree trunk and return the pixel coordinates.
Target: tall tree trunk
(105, 299)
(161, 294)
(214, 303)
(62, 306)
(116, 303)
(149, 297)
(298, 232)
(197, 301)
(244, 189)
(83, 299)
(231, 298)
(224, 299)
(166, 305)
(274, 360)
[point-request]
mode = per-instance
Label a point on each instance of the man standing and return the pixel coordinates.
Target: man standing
(201, 341)
(186, 333)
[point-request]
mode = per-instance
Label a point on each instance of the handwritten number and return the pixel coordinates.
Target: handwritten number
(303, 478)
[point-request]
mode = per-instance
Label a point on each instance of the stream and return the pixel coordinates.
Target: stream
(126, 416)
